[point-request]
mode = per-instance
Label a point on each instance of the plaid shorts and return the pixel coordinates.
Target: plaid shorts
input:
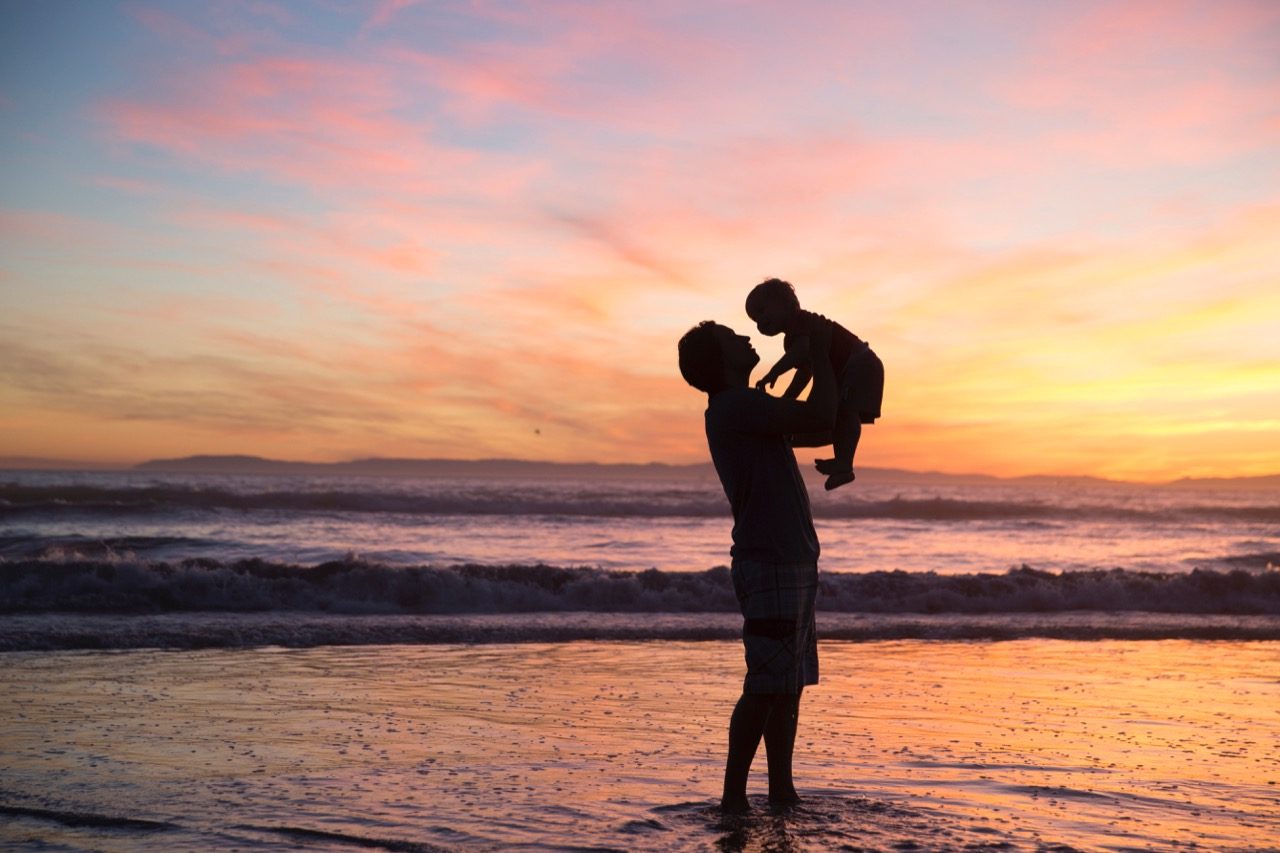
(777, 601)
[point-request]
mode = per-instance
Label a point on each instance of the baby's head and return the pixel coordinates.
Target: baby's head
(772, 304)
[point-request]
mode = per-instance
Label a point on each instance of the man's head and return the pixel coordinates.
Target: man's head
(714, 357)
(771, 304)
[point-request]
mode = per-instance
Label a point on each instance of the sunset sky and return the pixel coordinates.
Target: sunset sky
(339, 229)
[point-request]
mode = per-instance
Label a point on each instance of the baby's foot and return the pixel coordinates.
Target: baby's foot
(838, 479)
(826, 466)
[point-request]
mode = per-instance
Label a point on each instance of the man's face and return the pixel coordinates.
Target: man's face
(737, 350)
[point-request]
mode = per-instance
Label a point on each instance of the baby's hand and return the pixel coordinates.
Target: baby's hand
(766, 381)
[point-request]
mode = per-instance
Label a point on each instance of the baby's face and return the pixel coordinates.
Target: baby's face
(770, 318)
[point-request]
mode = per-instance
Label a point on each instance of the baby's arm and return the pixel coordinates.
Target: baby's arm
(795, 358)
(772, 375)
(801, 378)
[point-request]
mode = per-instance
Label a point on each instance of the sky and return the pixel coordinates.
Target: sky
(349, 228)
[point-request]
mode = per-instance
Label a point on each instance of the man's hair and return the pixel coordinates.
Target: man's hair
(701, 359)
(771, 290)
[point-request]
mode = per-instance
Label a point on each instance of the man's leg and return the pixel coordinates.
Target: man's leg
(779, 746)
(746, 727)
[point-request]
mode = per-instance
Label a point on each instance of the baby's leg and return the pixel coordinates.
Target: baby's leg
(844, 442)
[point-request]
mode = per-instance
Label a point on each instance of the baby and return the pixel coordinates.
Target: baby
(774, 308)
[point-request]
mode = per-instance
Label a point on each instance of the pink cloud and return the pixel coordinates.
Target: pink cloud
(339, 122)
(38, 225)
(1133, 33)
(312, 122)
(170, 27)
(1145, 83)
(476, 85)
(190, 310)
(274, 12)
(70, 233)
(224, 29)
(385, 10)
(662, 69)
(291, 237)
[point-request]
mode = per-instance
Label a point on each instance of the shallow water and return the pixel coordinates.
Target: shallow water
(1026, 744)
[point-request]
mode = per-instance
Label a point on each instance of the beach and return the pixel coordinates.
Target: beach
(194, 661)
(1029, 744)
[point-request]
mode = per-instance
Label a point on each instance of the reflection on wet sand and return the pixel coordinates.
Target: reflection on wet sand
(941, 745)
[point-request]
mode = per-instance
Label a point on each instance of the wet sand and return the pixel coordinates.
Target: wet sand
(1028, 744)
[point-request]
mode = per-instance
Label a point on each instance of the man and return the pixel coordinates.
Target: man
(775, 548)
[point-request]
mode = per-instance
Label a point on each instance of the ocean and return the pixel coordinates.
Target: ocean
(998, 558)
(213, 661)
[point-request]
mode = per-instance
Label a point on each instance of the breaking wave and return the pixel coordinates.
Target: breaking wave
(354, 586)
(18, 501)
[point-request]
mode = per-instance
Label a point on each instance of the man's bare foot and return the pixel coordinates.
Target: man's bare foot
(784, 799)
(826, 466)
(838, 479)
(735, 805)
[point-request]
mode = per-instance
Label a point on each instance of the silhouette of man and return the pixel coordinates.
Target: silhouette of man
(775, 548)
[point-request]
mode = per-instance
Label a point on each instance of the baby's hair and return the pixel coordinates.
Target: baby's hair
(771, 290)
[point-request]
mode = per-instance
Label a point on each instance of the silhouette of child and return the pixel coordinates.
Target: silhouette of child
(774, 308)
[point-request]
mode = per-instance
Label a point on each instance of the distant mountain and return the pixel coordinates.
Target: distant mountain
(518, 468)
(1269, 481)
(40, 463)
(511, 468)
(524, 469)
